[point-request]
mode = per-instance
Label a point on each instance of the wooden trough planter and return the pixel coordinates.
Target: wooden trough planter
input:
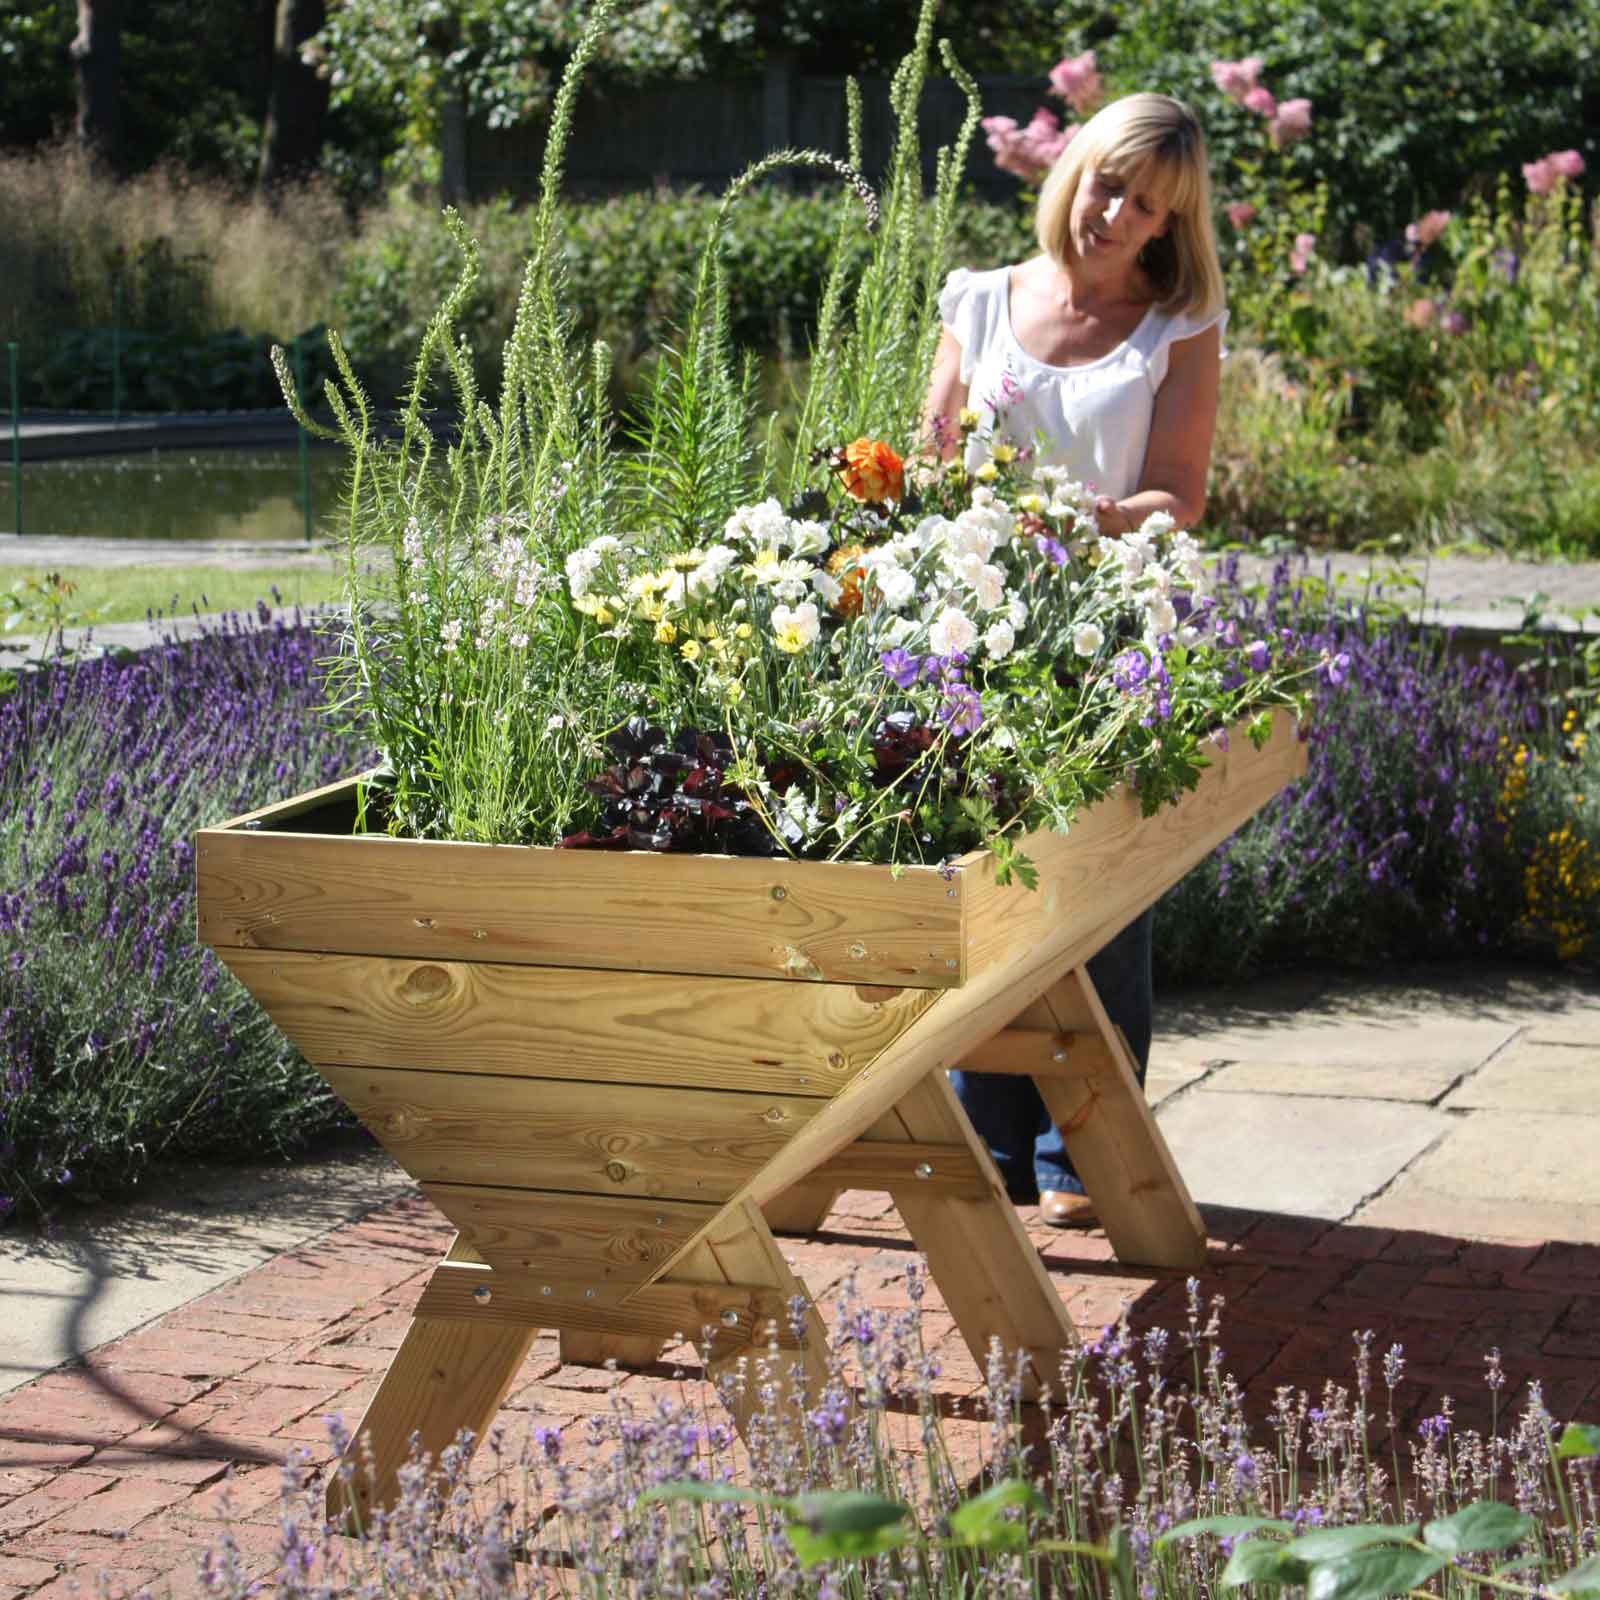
(617, 1074)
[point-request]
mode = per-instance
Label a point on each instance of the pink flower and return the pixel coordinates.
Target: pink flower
(1027, 153)
(1292, 122)
(1077, 81)
(1305, 246)
(1421, 233)
(1237, 78)
(1260, 100)
(1566, 163)
(1420, 313)
(1241, 214)
(1540, 176)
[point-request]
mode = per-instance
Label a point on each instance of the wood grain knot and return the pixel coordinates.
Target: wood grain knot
(425, 986)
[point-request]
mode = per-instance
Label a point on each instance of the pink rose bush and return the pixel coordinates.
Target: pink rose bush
(1305, 246)
(1027, 153)
(1293, 121)
(1287, 120)
(1237, 78)
(1426, 229)
(1549, 171)
(1077, 81)
(1241, 214)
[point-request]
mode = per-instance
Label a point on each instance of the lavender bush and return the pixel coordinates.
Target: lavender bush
(1399, 841)
(122, 1039)
(867, 1490)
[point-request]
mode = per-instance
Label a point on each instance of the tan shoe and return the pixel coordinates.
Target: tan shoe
(1063, 1209)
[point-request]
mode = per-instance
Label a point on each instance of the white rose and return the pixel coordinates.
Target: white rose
(999, 640)
(1087, 638)
(895, 584)
(1017, 611)
(953, 632)
(827, 587)
(990, 587)
(972, 535)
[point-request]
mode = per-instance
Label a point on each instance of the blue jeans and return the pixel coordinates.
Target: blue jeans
(1007, 1111)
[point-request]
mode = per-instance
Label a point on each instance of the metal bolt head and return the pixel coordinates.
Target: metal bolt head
(546, 1290)
(779, 892)
(1059, 1055)
(730, 1318)
(924, 1169)
(588, 1294)
(483, 1294)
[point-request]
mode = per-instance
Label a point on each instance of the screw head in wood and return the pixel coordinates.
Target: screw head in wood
(730, 1318)
(779, 892)
(924, 1169)
(483, 1294)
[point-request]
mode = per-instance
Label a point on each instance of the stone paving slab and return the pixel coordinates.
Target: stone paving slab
(1563, 1078)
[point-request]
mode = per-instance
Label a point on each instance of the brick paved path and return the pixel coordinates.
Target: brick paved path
(117, 1463)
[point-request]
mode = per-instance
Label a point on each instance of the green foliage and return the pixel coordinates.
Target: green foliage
(1415, 101)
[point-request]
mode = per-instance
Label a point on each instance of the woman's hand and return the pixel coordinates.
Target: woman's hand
(1110, 518)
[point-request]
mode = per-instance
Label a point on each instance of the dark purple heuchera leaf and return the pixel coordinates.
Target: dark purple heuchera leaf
(671, 795)
(899, 742)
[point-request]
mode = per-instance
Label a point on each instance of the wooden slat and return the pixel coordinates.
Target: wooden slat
(448, 1374)
(1030, 1053)
(741, 1247)
(615, 1238)
(947, 1167)
(632, 911)
(676, 1310)
(566, 1022)
(1114, 863)
(630, 1351)
(986, 1267)
(685, 1144)
(801, 1209)
(1116, 1147)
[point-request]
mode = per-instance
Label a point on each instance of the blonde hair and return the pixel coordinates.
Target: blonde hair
(1119, 141)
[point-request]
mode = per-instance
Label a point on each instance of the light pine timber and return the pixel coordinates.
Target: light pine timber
(1116, 1145)
(607, 1238)
(839, 922)
(1115, 862)
(677, 1310)
(568, 1022)
(978, 1253)
(448, 1374)
(667, 1143)
(740, 1248)
(1016, 953)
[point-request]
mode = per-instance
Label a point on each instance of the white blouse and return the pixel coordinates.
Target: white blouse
(1092, 418)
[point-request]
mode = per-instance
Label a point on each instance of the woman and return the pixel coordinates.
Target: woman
(1103, 352)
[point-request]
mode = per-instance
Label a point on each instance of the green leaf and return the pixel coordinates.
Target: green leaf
(1485, 1525)
(1372, 1573)
(845, 1511)
(846, 1545)
(1222, 1527)
(1262, 1561)
(707, 1493)
(1327, 1542)
(1579, 1439)
(982, 1521)
(1583, 1579)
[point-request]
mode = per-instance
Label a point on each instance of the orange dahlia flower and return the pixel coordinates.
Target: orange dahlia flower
(871, 471)
(844, 565)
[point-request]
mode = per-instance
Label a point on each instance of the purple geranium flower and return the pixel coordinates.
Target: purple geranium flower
(901, 666)
(1130, 670)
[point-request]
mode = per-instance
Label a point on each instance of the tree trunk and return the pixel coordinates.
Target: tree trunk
(297, 103)
(97, 59)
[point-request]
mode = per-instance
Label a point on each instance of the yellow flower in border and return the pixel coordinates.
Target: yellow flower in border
(690, 650)
(1004, 453)
(968, 418)
(987, 473)
(666, 633)
(743, 631)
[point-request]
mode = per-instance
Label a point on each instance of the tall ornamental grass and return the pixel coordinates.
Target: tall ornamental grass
(870, 1490)
(122, 1040)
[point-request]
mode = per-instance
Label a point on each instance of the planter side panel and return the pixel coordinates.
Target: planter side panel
(580, 1023)
(1115, 862)
(833, 922)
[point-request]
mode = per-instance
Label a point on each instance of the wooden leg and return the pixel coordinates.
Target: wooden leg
(1112, 1137)
(801, 1209)
(742, 1250)
(632, 1351)
(978, 1253)
(446, 1376)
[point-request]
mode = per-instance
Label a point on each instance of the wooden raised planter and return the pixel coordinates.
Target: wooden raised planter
(617, 1073)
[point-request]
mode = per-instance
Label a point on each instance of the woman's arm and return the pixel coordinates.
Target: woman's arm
(947, 396)
(1178, 455)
